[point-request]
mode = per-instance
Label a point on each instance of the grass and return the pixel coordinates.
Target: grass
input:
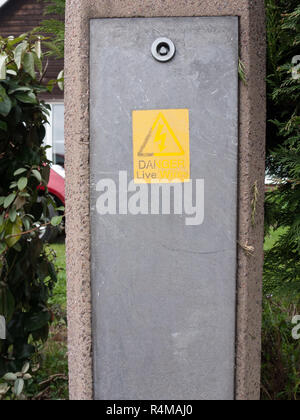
(50, 382)
(271, 239)
(60, 290)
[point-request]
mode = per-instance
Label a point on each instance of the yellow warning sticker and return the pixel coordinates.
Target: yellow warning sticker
(161, 146)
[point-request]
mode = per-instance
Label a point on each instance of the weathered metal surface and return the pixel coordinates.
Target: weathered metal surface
(163, 293)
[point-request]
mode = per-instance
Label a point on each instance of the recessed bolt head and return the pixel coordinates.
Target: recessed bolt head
(163, 50)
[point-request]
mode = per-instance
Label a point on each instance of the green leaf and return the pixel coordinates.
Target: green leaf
(28, 64)
(4, 388)
(46, 173)
(13, 185)
(60, 80)
(11, 72)
(38, 49)
(3, 61)
(19, 386)
(37, 175)
(41, 334)
(38, 62)
(24, 194)
(37, 321)
(25, 352)
(3, 126)
(13, 41)
(5, 102)
(17, 247)
(19, 89)
(22, 183)
(25, 368)
(26, 98)
(19, 53)
(7, 303)
(56, 221)
(26, 223)
(9, 200)
(13, 231)
(3, 247)
(20, 202)
(19, 171)
(13, 214)
(10, 377)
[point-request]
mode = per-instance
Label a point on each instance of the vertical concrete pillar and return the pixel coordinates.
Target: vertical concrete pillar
(87, 29)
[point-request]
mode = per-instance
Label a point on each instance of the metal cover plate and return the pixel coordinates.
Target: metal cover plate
(164, 294)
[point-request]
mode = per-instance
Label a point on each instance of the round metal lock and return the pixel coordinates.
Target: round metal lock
(163, 49)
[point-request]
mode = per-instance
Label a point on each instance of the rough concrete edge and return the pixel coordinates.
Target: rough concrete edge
(251, 171)
(77, 203)
(251, 177)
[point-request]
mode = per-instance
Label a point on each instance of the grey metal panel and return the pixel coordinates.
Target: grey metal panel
(164, 294)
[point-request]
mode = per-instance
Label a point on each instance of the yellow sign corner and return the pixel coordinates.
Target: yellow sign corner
(161, 145)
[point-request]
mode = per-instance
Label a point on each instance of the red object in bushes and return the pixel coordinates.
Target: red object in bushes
(56, 185)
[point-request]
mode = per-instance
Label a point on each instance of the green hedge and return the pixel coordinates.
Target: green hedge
(282, 262)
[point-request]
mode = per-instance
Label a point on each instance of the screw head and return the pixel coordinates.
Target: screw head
(163, 50)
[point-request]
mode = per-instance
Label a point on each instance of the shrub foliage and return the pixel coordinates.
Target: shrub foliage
(281, 352)
(282, 262)
(55, 27)
(27, 274)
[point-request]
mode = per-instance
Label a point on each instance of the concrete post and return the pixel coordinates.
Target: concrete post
(251, 168)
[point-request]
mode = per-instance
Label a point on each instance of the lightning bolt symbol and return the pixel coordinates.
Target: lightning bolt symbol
(161, 138)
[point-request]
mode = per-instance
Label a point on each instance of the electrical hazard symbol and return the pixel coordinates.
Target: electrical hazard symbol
(161, 146)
